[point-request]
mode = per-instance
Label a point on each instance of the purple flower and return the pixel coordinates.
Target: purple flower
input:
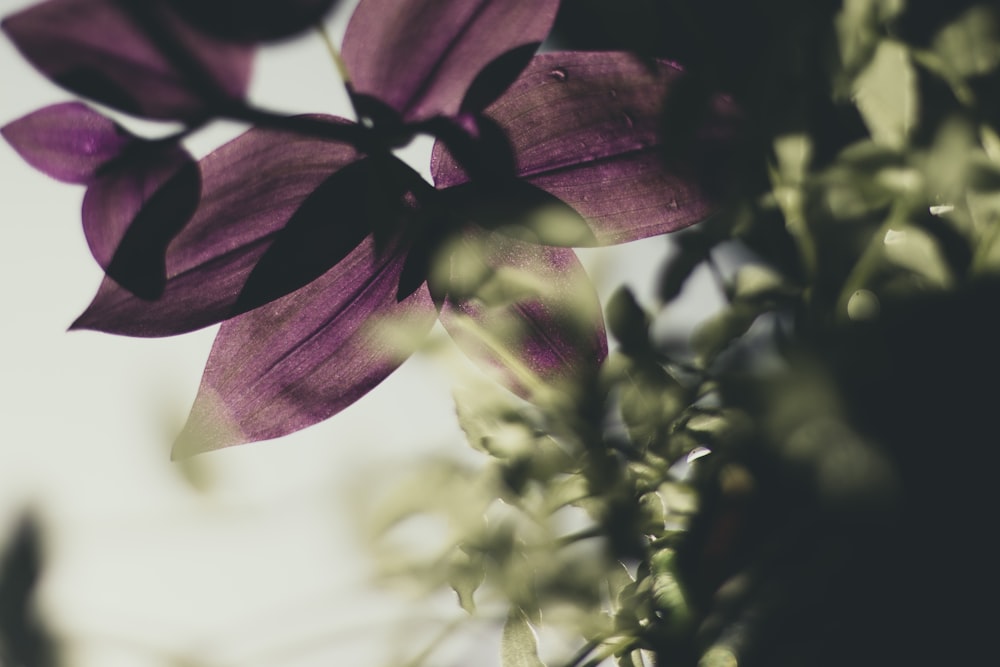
(298, 243)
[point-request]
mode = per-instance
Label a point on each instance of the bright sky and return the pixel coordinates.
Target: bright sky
(263, 566)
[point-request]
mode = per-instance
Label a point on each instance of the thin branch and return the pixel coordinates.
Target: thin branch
(582, 654)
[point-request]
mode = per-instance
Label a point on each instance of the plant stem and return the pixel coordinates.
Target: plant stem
(334, 52)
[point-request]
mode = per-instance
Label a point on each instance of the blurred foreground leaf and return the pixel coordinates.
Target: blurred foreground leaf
(886, 94)
(518, 647)
(24, 642)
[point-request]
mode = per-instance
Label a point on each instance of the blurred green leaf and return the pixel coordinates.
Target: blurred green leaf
(886, 94)
(518, 645)
(466, 573)
(970, 45)
(762, 284)
(24, 642)
(859, 25)
(649, 399)
(553, 224)
(625, 660)
(914, 249)
(693, 249)
(986, 259)
(719, 331)
(628, 321)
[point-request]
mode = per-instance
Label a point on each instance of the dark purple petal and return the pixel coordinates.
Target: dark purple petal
(68, 141)
(585, 128)
(421, 56)
(305, 357)
(370, 195)
(253, 20)
(250, 189)
(135, 207)
(96, 48)
(535, 323)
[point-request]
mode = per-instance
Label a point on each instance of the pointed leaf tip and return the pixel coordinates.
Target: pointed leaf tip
(301, 359)
(69, 142)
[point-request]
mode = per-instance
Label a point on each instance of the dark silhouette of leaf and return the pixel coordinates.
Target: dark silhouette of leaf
(139, 262)
(520, 210)
(496, 77)
(628, 321)
(97, 85)
(98, 49)
(329, 224)
(253, 20)
(23, 641)
(477, 144)
(250, 189)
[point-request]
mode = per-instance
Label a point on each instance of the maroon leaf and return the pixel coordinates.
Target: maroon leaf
(96, 48)
(373, 195)
(133, 210)
(124, 173)
(534, 320)
(421, 56)
(250, 188)
(68, 141)
(584, 127)
(301, 359)
(253, 20)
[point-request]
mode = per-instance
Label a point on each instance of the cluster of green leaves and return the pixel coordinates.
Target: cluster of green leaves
(784, 488)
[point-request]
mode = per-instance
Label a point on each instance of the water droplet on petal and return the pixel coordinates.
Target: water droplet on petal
(559, 74)
(672, 205)
(629, 121)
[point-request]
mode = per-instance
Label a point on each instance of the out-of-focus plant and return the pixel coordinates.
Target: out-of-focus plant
(807, 479)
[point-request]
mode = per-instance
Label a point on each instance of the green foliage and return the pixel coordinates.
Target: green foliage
(518, 647)
(762, 494)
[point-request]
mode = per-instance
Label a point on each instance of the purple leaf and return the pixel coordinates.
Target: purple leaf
(124, 173)
(253, 20)
(68, 141)
(368, 196)
(250, 188)
(535, 322)
(135, 207)
(585, 128)
(301, 359)
(421, 56)
(96, 48)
